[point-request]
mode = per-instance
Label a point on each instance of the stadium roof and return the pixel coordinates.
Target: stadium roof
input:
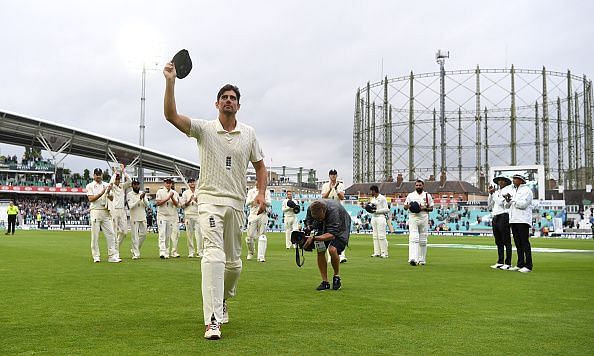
(21, 130)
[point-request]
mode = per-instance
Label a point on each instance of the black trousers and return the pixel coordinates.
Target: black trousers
(11, 224)
(521, 234)
(502, 238)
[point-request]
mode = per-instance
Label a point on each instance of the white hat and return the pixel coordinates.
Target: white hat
(519, 176)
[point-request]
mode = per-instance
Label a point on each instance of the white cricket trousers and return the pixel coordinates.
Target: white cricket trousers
(256, 228)
(220, 227)
(101, 220)
(290, 226)
(380, 243)
(168, 231)
(120, 226)
(138, 237)
(195, 243)
(417, 239)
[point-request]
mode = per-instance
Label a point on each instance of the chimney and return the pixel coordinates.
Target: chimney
(442, 179)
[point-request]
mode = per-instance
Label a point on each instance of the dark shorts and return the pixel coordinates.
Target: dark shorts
(339, 244)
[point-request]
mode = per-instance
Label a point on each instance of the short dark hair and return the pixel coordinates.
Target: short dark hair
(228, 87)
(332, 172)
(97, 171)
(191, 180)
(374, 189)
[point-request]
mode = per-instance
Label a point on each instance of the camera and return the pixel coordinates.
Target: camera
(300, 237)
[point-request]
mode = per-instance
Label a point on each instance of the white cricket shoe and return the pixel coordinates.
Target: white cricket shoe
(384, 256)
(261, 260)
(421, 263)
(114, 260)
(213, 331)
(514, 268)
(96, 260)
(505, 267)
(497, 266)
(250, 256)
(525, 270)
(374, 255)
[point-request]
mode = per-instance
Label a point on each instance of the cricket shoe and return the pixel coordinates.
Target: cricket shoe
(250, 256)
(114, 260)
(96, 260)
(374, 255)
(525, 270)
(343, 260)
(213, 330)
(497, 266)
(421, 263)
(505, 267)
(412, 262)
(514, 268)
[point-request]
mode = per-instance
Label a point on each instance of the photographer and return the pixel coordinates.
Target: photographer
(333, 224)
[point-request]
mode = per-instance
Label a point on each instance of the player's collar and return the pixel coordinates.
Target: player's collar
(220, 128)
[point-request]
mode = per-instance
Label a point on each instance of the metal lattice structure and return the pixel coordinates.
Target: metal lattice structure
(462, 122)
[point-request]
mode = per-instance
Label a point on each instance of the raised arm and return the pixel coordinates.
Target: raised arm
(183, 123)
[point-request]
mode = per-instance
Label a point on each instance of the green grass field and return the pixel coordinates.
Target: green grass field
(54, 300)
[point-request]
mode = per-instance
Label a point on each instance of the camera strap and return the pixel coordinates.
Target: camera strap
(299, 261)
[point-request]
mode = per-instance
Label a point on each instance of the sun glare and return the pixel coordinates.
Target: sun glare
(140, 45)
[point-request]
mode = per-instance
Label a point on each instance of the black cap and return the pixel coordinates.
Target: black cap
(182, 63)
(333, 171)
(98, 171)
(135, 182)
(168, 180)
(191, 180)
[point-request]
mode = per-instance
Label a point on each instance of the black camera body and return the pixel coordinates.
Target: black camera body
(300, 237)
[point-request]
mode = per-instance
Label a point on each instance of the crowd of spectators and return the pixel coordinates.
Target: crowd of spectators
(50, 210)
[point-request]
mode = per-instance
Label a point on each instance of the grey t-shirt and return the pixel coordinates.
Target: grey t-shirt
(337, 221)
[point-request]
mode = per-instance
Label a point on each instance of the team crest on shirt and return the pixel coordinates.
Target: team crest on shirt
(211, 221)
(228, 162)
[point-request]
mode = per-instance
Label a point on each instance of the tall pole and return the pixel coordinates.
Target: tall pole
(459, 144)
(545, 128)
(513, 117)
(537, 134)
(442, 118)
(561, 176)
(142, 126)
(570, 138)
(486, 147)
(411, 131)
(477, 122)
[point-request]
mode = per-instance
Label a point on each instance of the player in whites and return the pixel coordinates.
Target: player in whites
(100, 219)
(190, 205)
(419, 203)
(256, 225)
(333, 189)
(378, 223)
(290, 219)
(137, 202)
(167, 218)
(116, 199)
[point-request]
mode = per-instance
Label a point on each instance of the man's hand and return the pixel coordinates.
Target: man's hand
(308, 242)
(507, 197)
(169, 71)
(491, 189)
(142, 195)
(261, 202)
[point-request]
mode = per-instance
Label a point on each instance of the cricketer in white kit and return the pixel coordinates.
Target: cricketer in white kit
(290, 219)
(226, 148)
(137, 202)
(167, 218)
(100, 218)
(256, 225)
(116, 206)
(379, 223)
(418, 223)
(190, 205)
(333, 189)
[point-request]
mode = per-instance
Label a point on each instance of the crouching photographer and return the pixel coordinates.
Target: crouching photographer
(333, 225)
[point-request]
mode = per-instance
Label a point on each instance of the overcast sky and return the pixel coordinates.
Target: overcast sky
(298, 64)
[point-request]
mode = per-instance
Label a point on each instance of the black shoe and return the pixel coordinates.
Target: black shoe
(412, 262)
(162, 257)
(336, 283)
(323, 286)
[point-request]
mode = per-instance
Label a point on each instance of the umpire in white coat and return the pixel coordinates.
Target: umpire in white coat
(519, 203)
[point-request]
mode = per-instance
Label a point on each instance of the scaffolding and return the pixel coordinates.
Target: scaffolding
(464, 121)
